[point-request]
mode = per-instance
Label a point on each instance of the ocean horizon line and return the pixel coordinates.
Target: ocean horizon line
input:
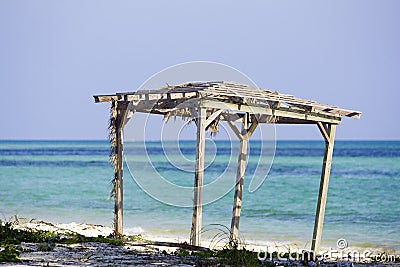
(189, 140)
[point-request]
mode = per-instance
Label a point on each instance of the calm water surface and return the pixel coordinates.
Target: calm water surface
(67, 181)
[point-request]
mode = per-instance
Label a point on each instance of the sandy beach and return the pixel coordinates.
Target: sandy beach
(136, 253)
(137, 250)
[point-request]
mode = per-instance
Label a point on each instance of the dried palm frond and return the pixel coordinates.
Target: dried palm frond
(183, 113)
(213, 127)
(272, 119)
(166, 116)
(186, 115)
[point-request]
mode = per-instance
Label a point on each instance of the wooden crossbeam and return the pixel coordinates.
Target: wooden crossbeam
(235, 130)
(213, 116)
(151, 104)
(224, 91)
(280, 112)
(324, 131)
(251, 130)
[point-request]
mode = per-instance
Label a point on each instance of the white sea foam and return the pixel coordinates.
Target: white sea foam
(134, 231)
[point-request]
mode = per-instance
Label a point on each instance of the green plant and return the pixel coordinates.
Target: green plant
(182, 253)
(204, 254)
(136, 238)
(238, 257)
(233, 253)
(10, 253)
(46, 240)
(9, 235)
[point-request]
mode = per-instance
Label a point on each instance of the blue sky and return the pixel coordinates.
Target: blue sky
(54, 55)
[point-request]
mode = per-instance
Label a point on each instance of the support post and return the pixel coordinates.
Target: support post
(121, 109)
(241, 168)
(195, 233)
(323, 188)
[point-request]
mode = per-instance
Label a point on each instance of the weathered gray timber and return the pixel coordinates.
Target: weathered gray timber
(208, 104)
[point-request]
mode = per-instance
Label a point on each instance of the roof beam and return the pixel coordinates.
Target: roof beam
(230, 92)
(279, 112)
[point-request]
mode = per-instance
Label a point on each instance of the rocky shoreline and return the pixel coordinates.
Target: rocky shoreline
(102, 254)
(133, 251)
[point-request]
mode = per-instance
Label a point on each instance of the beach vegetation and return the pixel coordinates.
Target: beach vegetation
(10, 235)
(226, 250)
(10, 238)
(10, 253)
(136, 238)
(228, 256)
(203, 254)
(182, 252)
(233, 255)
(75, 238)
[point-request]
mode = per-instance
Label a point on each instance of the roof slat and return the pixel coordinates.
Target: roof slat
(231, 91)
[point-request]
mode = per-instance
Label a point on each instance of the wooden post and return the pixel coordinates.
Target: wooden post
(241, 168)
(195, 233)
(118, 182)
(323, 187)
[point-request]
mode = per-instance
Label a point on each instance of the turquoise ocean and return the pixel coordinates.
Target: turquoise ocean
(70, 181)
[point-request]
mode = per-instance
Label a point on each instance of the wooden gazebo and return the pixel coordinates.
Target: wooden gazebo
(208, 103)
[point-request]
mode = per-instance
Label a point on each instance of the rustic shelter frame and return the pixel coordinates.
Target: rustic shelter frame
(208, 103)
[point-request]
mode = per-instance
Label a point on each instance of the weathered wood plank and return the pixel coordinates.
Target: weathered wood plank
(241, 168)
(323, 131)
(195, 233)
(118, 182)
(285, 120)
(235, 129)
(213, 116)
(323, 189)
(280, 112)
(251, 130)
(104, 98)
(228, 90)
